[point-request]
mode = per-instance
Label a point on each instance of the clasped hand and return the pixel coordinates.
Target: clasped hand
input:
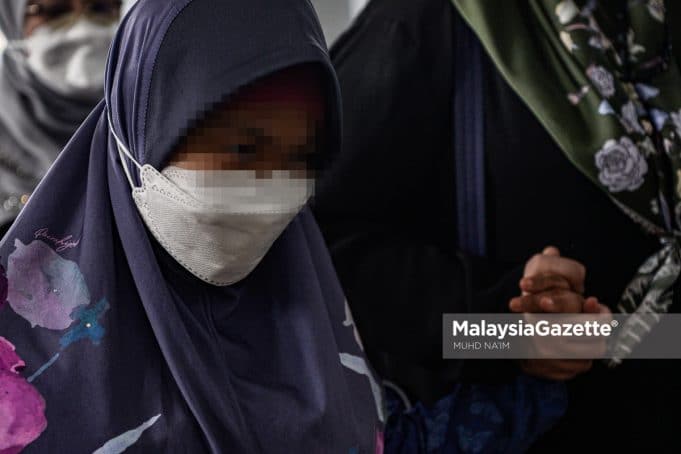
(555, 284)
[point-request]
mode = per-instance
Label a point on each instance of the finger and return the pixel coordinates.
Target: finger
(551, 250)
(516, 305)
(592, 306)
(571, 270)
(543, 283)
(603, 309)
(563, 303)
(526, 303)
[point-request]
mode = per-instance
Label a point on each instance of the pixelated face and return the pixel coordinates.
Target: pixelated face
(39, 12)
(254, 135)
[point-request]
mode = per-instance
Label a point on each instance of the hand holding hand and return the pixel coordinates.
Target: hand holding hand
(554, 284)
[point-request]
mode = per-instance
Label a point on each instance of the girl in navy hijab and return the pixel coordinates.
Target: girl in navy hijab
(167, 288)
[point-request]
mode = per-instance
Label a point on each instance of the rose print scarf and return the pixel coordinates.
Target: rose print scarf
(605, 82)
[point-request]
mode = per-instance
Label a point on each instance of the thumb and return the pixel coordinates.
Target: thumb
(593, 306)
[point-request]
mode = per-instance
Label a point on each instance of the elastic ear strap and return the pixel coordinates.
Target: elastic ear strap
(123, 152)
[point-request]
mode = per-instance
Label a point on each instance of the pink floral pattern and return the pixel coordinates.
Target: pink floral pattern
(22, 408)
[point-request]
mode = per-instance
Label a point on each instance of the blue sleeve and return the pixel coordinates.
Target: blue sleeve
(476, 418)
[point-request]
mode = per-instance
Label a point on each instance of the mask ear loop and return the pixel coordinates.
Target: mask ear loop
(123, 153)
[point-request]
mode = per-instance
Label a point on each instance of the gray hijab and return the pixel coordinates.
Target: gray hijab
(35, 122)
(12, 18)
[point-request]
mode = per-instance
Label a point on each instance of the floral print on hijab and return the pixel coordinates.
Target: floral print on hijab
(604, 81)
(22, 408)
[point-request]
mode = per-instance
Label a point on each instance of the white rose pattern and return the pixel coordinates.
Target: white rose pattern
(621, 165)
(602, 79)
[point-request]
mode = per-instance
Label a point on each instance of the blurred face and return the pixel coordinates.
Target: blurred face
(40, 12)
(254, 134)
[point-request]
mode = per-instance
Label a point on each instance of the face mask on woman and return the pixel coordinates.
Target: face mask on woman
(69, 57)
(218, 224)
(236, 180)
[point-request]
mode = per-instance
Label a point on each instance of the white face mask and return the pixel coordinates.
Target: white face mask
(218, 224)
(70, 61)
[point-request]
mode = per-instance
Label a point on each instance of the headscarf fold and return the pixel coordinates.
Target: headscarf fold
(126, 347)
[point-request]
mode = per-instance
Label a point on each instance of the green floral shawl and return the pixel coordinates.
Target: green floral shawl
(603, 77)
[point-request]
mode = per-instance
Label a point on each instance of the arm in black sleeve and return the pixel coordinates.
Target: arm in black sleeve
(386, 205)
(399, 287)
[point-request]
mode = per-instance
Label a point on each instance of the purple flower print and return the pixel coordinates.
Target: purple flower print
(621, 165)
(22, 408)
(9, 360)
(602, 79)
(44, 288)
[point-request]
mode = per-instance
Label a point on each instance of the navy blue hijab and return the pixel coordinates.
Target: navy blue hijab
(129, 350)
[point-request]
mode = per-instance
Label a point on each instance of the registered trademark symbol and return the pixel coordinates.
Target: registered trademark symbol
(614, 323)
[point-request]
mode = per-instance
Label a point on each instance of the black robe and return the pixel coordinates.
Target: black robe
(387, 208)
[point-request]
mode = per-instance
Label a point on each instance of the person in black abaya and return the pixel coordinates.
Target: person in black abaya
(390, 206)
